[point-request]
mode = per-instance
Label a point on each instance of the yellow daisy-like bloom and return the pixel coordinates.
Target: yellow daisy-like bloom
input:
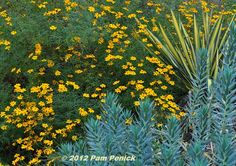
(82, 112)
(90, 110)
(136, 103)
(78, 71)
(182, 113)
(128, 121)
(86, 95)
(91, 9)
(98, 117)
(74, 138)
(53, 28)
(13, 33)
(38, 49)
(57, 73)
(62, 88)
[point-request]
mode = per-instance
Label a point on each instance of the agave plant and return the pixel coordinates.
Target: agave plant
(181, 53)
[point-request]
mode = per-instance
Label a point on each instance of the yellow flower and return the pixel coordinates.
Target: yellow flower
(103, 86)
(48, 142)
(155, 28)
(101, 41)
(171, 82)
(182, 113)
(128, 121)
(159, 125)
(50, 63)
(136, 103)
(57, 73)
(20, 97)
(129, 72)
(98, 117)
(62, 88)
(90, 110)
(48, 151)
(53, 28)
(7, 108)
(19, 125)
(142, 71)
(45, 125)
(86, 95)
(18, 89)
(82, 112)
(78, 71)
(91, 9)
(94, 95)
(4, 127)
(13, 33)
(35, 57)
(78, 121)
(116, 82)
(92, 66)
(131, 15)
(133, 58)
(12, 103)
(77, 39)
(74, 138)
(41, 103)
(38, 49)
(34, 161)
(164, 87)
(30, 71)
(35, 89)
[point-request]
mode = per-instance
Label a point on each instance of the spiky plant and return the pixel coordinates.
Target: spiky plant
(113, 136)
(225, 105)
(170, 149)
(211, 115)
(180, 50)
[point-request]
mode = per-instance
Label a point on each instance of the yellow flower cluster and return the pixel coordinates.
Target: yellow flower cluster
(118, 46)
(189, 8)
(52, 12)
(33, 115)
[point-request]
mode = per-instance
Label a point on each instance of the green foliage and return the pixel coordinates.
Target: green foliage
(198, 106)
(74, 52)
(170, 153)
(180, 50)
(195, 154)
(114, 136)
(210, 116)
